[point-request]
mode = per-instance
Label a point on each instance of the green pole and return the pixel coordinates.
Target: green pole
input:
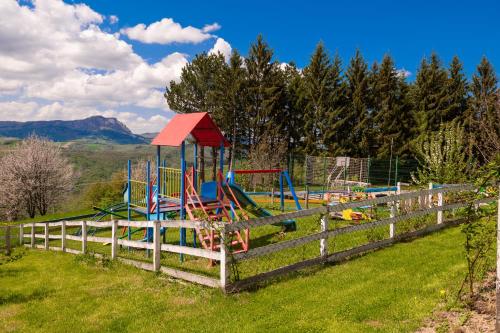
(324, 173)
(396, 172)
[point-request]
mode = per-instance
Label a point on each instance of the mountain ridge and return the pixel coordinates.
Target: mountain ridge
(95, 127)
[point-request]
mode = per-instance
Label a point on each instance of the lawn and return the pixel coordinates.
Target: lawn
(391, 290)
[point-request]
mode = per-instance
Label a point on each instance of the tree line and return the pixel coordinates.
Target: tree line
(331, 108)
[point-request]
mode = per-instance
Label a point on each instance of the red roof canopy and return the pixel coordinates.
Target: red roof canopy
(199, 125)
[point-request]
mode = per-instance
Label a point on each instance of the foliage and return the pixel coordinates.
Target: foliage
(323, 109)
(103, 194)
(480, 232)
(442, 156)
(33, 177)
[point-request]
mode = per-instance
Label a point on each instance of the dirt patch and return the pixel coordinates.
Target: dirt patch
(480, 317)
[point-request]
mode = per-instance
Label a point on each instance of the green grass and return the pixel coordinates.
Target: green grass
(391, 290)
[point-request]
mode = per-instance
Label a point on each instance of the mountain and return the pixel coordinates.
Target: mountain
(96, 127)
(150, 136)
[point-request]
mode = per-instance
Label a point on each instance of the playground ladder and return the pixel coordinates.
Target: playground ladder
(213, 211)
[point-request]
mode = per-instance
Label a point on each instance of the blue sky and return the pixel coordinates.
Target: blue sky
(69, 59)
(408, 30)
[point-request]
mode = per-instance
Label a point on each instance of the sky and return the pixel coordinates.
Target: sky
(73, 59)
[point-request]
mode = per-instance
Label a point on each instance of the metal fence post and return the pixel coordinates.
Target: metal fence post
(324, 240)
(114, 239)
(84, 236)
(156, 246)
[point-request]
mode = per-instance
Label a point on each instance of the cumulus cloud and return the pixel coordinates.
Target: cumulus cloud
(68, 68)
(223, 47)
(167, 31)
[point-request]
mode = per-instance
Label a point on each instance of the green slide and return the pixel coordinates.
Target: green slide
(251, 206)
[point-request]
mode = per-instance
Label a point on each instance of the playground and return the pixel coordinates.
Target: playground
(230, 233)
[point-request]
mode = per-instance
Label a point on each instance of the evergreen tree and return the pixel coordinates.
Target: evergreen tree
(295, 106)
(484, 89)
(357, 118)
(318, 87)
(457, 91)
(483, 115)
(430, 95)
(266, 94)
(393, 118)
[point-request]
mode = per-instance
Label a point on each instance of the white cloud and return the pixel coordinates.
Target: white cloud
(211, 27)
(223, 47)
(60, 64)
(167, 31)
(403, 73)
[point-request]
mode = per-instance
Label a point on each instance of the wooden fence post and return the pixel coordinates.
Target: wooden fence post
(7, 240)
(21, 234)
(440, 212)
(156, 246)
(46, 232)
(323, 245)
(63, 236)
(429, 203)
(114, 239)
(224, 272)
(32, 235)
(84, 236)
(392, 226)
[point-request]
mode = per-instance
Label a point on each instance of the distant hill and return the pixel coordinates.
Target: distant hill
(149, 135)
(96, 127)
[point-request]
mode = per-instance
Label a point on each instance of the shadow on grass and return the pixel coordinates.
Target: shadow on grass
(16, 298)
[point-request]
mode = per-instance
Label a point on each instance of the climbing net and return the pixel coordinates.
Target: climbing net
(336, 172)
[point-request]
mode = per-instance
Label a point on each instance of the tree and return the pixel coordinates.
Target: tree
(392, 115)
(322, 90)
(442, 156)
(430, 95)
(196, 91)
(33, 177)
(483, 116)
(357, 118)
(457, 91)
(265, 95)
(230, 94)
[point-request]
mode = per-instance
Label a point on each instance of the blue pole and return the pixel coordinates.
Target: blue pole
(282, 193)
(148, 201)
(195, 166)
(292, 190)
(158, 156)
(182, 232)
(231, 181)
(195, 180)
(221, 165)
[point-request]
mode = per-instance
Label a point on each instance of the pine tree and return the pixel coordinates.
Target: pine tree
(318, 87)
(357, 119)
(295, 106)
(430, 95)
(483, 115)
(457, 90)
(393, 118)
(266, 95)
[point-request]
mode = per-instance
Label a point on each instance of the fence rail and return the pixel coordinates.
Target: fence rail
(428, 201)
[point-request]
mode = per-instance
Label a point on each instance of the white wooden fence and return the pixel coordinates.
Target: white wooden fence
(431, 201)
